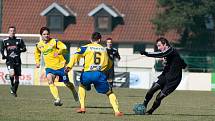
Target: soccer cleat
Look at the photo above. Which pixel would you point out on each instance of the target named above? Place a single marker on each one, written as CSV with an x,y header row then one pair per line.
x,y
81,110
58,102
148,113
12,92
118,114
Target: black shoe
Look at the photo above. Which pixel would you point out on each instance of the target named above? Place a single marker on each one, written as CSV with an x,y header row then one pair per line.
x,y
12,92
58,103
148,113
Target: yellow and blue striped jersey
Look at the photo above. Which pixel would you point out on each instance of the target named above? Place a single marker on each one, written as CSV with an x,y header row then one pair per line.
x,y
48,49
95,57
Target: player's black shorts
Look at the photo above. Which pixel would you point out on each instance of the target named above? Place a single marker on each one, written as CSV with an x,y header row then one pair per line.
x,y
110,74
168,86
16,67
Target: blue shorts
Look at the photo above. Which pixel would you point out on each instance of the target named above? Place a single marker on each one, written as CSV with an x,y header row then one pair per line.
x,y
63,77
97,78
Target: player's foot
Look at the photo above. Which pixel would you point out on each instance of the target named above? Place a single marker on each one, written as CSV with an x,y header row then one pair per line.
x,y
118,114
148,113
12,92
58,102
81,110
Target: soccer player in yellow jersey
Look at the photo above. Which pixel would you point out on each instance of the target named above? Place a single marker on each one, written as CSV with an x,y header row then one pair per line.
x,y
52,51
96,61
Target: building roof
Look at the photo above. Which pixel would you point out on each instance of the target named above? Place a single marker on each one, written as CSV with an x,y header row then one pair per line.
x,y
26,16
112,11
63,9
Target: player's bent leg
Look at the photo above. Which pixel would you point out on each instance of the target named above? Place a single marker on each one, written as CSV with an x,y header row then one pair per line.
x,y
156,103
16,84
11,73
72,88
12,90
82,96
114,102
54,90
155,87
55,93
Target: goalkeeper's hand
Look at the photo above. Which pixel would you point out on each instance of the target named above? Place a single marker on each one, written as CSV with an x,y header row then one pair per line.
x,y
143,52
4,57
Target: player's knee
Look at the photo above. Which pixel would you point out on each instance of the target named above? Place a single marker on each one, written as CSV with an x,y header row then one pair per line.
x,y
154,88
50,78
160,96
109,92
50,81
17,78
11,72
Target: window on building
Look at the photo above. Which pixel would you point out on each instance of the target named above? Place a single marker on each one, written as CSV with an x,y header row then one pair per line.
x,y
55,23
103,22
107,18
138,47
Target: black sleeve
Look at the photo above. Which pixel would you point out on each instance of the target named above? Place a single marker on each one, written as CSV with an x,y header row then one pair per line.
x,y
183,64
2,49
159,54
22,46
117,55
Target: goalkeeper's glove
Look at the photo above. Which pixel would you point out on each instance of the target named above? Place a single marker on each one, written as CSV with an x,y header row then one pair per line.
x,y
4,57
143,52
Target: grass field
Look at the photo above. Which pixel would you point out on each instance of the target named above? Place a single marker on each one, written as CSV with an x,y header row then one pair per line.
x,y
35,103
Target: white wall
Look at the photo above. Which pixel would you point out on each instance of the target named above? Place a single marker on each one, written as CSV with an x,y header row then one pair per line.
x,y
196,81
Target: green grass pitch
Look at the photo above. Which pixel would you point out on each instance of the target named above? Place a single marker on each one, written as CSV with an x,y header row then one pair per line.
x,y
35,103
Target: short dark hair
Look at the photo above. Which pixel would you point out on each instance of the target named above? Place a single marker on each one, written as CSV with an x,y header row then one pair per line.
x,y
11,27
109,39
44,29
96,36
163,41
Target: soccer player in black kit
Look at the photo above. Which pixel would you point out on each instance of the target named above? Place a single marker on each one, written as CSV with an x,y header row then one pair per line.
x,y
13,47
171,76
113,55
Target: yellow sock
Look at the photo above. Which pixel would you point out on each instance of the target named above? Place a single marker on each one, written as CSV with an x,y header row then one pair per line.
x,y
82,95
114,102
54,91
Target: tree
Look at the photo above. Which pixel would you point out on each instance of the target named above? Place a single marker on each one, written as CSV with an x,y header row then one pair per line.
x,y
190,18
194,20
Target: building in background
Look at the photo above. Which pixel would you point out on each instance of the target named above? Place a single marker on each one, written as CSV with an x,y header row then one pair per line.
x,y
72,21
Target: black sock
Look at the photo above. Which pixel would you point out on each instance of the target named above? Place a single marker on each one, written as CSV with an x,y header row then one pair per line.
x,y
155,87
12,81
16,86
157,102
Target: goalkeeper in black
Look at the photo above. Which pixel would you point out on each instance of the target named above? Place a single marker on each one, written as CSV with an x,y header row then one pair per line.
x,y
12,47
113,55
171,76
